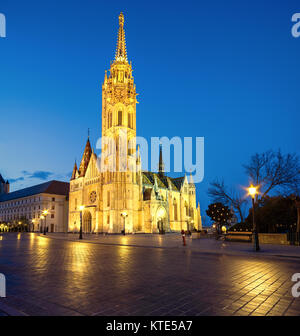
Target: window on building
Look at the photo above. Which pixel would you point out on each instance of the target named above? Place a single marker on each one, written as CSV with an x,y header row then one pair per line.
x,y
110,120
108,198
120,121
175,210
130,120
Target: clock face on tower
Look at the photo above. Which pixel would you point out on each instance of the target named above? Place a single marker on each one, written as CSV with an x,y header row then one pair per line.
x,y
93,196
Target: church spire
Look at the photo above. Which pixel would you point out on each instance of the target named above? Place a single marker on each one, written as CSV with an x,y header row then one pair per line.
x,y
161,166
75,170
121,53
85,158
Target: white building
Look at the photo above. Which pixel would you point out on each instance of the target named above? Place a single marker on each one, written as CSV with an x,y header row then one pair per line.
x,y
25,207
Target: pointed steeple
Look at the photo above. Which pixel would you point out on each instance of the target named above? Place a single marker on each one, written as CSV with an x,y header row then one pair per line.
x,y
191,179
85,158
121,53
199,217
161,166
75,170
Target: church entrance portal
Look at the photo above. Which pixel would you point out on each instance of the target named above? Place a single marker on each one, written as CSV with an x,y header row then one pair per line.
x,y
87,222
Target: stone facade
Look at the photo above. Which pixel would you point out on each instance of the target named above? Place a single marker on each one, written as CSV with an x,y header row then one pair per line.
x,y
116,194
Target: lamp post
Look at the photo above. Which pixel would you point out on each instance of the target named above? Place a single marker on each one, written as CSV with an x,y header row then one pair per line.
x,y
41,218
124,215
45,213
253,192
33,224
81,208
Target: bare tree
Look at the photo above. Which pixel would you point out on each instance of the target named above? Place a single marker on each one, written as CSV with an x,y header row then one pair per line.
x,y
274,171
218,192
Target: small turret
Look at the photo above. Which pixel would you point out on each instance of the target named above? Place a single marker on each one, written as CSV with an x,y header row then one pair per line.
x,y
75,171
199,218
161,166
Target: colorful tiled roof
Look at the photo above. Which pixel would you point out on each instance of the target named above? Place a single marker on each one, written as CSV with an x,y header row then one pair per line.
x,y
51,187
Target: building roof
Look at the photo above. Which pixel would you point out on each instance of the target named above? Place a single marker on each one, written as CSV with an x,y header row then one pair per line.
x,y
1,179
51,187
162,180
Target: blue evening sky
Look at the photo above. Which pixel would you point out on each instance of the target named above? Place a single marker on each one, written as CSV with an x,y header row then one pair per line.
x,y
225,70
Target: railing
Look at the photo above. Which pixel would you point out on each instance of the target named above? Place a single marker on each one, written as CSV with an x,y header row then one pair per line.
x,y
239,236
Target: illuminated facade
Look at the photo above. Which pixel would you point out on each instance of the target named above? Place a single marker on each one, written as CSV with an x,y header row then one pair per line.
x,y
126,198
26,206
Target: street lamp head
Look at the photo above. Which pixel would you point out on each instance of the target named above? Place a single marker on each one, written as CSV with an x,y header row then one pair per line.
x,y
124,214
45,212
81,208
252,191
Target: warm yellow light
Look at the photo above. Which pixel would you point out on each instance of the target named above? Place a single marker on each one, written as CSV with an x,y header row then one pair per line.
x,y
45,212
252,191
124,214
81,208
42,217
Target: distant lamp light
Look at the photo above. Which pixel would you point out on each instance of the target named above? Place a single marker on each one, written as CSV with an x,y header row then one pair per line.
x,y
81,208
124,214
252,191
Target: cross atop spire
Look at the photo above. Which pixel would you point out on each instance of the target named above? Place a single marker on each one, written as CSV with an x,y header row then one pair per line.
x,y
121,53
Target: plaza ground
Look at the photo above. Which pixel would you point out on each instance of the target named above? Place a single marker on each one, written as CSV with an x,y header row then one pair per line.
x,y
144,275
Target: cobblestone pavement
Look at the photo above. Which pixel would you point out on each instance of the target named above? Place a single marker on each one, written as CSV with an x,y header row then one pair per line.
x,y
57,277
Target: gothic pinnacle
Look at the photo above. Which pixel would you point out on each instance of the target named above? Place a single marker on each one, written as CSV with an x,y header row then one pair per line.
x,y
121,53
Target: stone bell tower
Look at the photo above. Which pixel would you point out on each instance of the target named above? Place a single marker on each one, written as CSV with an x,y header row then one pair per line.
x,y
121,183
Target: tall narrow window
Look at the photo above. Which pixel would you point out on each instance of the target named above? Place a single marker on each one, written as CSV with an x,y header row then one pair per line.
x,y
175,210
130,120
110,120
120,122
108,198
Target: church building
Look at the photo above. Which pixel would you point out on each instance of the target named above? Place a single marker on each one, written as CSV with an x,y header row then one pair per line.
x,y
130,200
